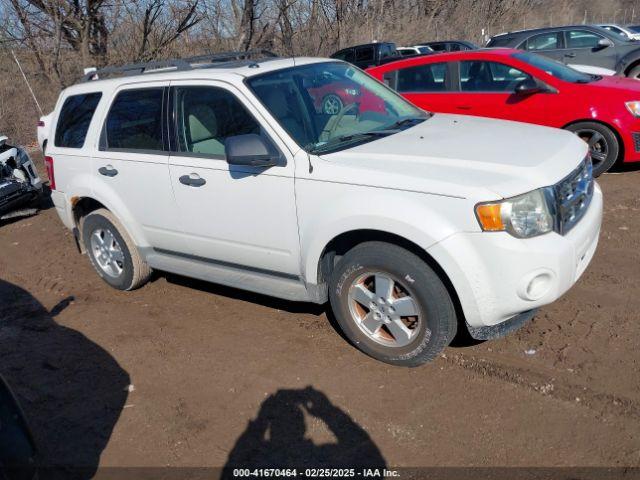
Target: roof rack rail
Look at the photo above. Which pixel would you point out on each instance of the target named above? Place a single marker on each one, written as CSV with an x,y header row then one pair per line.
x,y
177,64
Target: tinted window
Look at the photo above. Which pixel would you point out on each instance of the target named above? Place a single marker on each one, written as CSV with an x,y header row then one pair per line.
x,y
423,78
135,120
557,69
489,77
364,54
438,47
582,39
207,116
406,51
545,41
346,55
74,120
497,42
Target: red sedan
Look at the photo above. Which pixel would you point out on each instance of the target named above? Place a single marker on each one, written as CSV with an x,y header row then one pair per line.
x,y
525,87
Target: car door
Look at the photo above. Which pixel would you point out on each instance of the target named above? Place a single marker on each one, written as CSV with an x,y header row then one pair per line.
x,y
427,85
238,216
130,166
582,48
487,89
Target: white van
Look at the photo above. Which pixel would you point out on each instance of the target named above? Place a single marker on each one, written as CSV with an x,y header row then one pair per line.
x,y
413,225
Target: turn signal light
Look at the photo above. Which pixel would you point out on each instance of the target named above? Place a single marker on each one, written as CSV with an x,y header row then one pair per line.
x,y
490,217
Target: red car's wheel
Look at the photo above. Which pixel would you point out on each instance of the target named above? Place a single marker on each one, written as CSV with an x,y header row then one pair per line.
x,y
603,144
332,104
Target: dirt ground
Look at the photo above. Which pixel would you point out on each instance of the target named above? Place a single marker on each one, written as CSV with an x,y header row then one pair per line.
x,y
184,373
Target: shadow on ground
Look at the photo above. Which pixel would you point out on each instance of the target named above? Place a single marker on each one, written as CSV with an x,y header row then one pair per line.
x,y
279,436
71,390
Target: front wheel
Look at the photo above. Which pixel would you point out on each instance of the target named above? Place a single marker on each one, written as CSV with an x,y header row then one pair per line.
x,y
332,104
391,304
604,146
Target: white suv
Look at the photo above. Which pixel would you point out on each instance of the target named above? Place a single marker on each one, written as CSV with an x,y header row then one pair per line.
x,y
413,225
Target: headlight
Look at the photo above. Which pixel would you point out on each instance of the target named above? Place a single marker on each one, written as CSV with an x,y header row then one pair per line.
x,y
634,108
524,216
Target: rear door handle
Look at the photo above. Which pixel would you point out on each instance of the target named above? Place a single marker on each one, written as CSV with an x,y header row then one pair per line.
x,y
463,107
108,171
570,55
193,180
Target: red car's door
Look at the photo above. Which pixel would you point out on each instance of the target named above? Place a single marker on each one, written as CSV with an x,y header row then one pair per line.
x,y
488,89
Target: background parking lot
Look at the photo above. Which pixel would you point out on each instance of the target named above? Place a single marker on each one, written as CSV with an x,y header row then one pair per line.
x,y
184,373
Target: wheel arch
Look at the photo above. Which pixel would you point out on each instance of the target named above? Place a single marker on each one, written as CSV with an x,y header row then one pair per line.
x,y
345,241
613,128
633,64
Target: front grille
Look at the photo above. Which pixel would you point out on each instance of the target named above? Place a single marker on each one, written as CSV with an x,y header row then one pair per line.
x,y
573,195
636,141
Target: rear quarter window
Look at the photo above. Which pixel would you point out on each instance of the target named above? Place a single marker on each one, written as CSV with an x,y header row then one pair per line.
x,y
75,117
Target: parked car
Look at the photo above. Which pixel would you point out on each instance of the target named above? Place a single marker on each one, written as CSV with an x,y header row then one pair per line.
x,y
413,226
522,86
624,32
20,185
634,28
416,50
577,45
369,54
450,46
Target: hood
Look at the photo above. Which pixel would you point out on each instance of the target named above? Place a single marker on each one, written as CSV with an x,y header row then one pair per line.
x,y
622,85
464,156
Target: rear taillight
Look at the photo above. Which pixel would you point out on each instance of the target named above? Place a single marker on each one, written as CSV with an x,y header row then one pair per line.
x,y
40,123
48,163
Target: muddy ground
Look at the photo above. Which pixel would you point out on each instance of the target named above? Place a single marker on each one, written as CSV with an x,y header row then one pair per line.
x,y
184,373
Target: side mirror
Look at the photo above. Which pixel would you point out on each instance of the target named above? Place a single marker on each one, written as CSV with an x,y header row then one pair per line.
x,y
528,86
604,43
251,150
17,448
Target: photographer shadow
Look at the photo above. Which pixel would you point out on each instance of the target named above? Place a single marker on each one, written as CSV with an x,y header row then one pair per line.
x,y
276,438
72,391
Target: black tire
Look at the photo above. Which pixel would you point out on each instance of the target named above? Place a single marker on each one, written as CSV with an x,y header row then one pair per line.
x,y
604,152
438,322
135,272
634,72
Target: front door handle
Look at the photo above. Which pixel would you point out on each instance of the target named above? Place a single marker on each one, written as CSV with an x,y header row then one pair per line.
x,y
108,171
193,180
570,55
463,107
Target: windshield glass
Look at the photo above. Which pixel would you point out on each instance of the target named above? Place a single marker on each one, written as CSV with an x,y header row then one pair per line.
x,y
557,69
332,105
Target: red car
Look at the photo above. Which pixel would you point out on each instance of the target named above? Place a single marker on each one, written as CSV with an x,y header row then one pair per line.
x,y
526,87
331,96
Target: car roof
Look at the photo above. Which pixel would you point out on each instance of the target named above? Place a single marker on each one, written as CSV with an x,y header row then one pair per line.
x,y
445,57
532,31
223,71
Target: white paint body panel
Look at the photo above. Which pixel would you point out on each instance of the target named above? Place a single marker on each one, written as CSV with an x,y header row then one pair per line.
x,y
421,184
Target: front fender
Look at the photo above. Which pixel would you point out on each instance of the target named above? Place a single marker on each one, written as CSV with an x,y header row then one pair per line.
x,y
422,219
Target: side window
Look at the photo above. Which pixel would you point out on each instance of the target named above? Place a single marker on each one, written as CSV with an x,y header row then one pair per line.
x,y
479,76
206,116
134,121
423,78
439,47
346,55
582,39
364,54
544,41
455,47
75,117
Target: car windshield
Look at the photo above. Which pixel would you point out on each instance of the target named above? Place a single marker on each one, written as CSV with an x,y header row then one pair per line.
x,y
330,106
557,69
634,28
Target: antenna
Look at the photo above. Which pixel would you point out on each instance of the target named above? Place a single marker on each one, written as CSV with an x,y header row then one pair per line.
x,y
27,82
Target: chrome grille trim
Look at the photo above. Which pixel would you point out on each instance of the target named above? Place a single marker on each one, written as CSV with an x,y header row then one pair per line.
x,y
573,195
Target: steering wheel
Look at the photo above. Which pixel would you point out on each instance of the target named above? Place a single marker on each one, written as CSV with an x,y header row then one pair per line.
x,y
332,125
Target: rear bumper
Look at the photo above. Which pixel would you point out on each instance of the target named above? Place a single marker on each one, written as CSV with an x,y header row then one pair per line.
x,y
63,208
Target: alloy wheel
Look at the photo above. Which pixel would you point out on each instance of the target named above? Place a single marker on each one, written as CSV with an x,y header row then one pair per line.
x,y
384,309
598,146
107,252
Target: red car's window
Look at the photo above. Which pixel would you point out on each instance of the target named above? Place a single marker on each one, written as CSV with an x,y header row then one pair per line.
x,y
423,78
482,76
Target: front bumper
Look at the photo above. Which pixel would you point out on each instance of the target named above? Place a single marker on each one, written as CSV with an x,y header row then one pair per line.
x,y
497,276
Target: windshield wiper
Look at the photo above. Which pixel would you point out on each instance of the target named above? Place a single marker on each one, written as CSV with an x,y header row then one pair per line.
x,y
406,121
334,142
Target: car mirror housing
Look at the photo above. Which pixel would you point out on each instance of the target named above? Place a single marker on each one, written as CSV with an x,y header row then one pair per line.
x,y
251,150
529,86
604,43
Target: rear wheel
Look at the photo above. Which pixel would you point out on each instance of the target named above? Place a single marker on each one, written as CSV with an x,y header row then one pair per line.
x,y
391,304
112,252
331,104
603,144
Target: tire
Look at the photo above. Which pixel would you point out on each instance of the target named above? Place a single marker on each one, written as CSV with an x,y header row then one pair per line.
x,y
634,72
605,149
127,270
332,104
424,335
